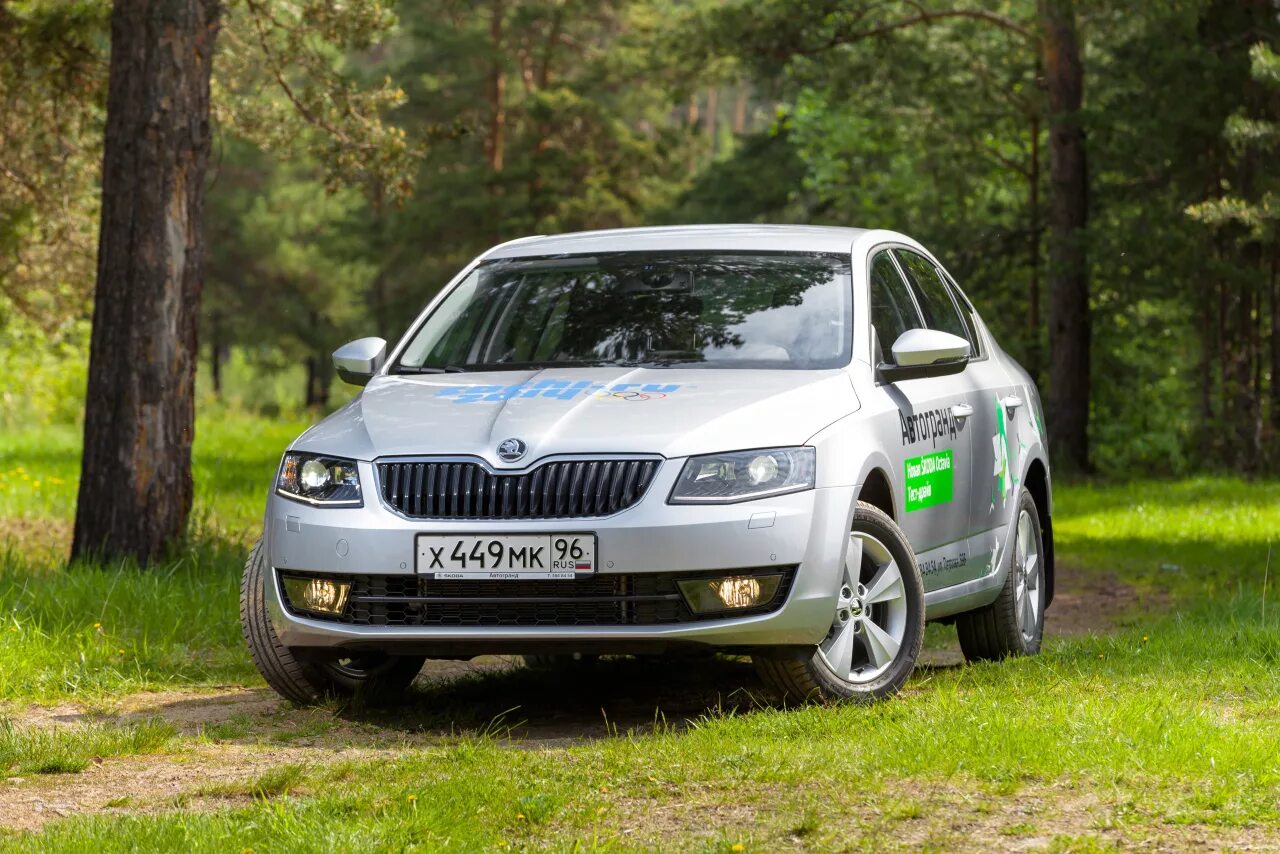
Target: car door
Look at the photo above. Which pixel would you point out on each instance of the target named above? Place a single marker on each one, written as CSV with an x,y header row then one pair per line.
x,y
1000,410
933,465
984,385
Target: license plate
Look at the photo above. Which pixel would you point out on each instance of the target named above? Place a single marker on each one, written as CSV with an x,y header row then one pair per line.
x,y
499,556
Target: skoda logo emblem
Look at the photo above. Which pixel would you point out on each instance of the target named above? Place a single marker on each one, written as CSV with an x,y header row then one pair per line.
x,y
511,450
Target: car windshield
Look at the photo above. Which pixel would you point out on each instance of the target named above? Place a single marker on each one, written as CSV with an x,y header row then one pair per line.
x,y
716,310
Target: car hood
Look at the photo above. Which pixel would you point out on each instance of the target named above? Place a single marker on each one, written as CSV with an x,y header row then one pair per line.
x,y
669,411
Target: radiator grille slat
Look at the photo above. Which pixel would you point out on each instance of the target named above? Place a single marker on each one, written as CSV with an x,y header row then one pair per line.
x,y
562,489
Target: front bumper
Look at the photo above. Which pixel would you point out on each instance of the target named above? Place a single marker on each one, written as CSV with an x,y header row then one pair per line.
x,y
807,530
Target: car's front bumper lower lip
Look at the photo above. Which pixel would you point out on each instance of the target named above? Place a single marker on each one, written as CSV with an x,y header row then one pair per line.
x,y
806,530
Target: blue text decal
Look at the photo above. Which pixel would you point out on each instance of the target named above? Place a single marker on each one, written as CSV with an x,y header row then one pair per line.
x,y
559,390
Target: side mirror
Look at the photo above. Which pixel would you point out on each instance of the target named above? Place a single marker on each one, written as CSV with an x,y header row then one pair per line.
x,y
925,353
359,360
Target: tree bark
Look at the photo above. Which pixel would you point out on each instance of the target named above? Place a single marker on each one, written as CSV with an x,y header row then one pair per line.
x,y
497,86
740,111
135,485
1068,280
215,352
309,389
1275,340
1033,253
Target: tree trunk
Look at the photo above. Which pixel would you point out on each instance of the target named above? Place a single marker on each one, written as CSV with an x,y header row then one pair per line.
x,y
309,394
1245,407
1033,253
1275,340
215,352
323,379
713,110
135,484
496,141
740,111
1068,280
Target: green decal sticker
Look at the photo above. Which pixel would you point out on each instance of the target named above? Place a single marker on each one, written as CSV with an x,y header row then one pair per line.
x,y
929,480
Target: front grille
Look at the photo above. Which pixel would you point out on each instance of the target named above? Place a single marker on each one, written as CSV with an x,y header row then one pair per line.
x,y
555,490
643,599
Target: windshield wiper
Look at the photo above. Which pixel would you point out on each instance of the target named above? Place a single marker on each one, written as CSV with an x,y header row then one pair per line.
x,y
646,363
430,369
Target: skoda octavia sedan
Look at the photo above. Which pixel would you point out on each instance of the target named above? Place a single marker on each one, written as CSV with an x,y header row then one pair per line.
x,y
794,443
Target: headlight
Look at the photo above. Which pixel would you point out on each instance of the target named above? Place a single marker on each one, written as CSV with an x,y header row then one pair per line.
x,y
319,480
744,475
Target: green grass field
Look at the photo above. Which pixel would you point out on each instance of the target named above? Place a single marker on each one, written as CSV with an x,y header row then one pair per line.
x,y
1158,724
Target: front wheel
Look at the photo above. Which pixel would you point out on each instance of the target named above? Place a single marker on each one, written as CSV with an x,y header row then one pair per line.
x,y
876,630
372,676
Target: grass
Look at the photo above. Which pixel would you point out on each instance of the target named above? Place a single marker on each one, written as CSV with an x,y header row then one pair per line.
x,y
1201,537
96,630
65,750
1169,725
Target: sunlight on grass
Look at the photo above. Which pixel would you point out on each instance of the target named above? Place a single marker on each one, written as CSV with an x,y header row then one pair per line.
x,y
68,749
1169,721
93,629
234,458
1167,724
1181,535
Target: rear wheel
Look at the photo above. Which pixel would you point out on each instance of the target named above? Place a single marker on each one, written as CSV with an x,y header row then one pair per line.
x,y
372,676
1014,623
876,630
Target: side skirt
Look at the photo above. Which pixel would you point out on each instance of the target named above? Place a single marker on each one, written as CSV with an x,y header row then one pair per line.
x,y
970,595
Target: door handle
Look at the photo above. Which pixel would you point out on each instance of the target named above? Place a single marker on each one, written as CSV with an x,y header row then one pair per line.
x,y
1011,403
961,411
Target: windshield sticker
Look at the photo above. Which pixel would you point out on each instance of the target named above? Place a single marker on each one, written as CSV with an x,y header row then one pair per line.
x,y
930,480
929,425
559,390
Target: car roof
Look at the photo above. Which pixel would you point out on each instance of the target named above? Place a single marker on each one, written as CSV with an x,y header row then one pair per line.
x,y
764,238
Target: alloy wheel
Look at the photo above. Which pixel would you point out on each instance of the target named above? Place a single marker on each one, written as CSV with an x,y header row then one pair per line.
x,y
1026,563
871,613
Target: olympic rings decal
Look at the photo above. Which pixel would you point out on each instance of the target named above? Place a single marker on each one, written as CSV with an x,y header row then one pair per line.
x,y
632,396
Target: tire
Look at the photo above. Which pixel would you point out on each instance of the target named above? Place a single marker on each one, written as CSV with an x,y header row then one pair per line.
x,y
1014,623
855,662
373,677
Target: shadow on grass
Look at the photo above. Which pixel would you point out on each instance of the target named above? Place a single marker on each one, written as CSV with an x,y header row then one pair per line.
x,y
495,698
499,698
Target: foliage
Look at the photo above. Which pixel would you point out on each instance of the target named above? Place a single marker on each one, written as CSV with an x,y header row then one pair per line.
x,y
52,107
939,127
366,151
283,82
1251,137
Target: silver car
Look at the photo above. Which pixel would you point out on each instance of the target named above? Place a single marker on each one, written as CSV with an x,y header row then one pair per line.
x,y
794,443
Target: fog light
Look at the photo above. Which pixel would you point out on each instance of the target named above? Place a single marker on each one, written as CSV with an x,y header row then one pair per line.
x,y
734,592
322,595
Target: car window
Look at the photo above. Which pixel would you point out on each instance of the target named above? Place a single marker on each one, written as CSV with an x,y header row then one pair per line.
x,y
968,313
893,311
935,302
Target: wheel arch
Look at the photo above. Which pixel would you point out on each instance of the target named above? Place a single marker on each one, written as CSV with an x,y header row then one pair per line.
x,y
877,490
1036,481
